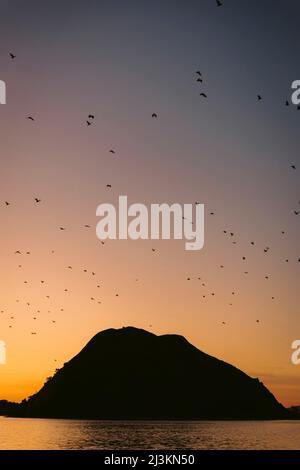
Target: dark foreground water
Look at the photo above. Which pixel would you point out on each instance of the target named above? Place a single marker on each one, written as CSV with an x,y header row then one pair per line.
x,y
17,433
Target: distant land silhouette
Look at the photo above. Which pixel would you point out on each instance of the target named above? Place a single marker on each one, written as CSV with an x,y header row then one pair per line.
x,y
131,374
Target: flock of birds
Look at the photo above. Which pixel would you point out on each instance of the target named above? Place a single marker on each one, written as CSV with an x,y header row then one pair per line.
x,y
89,121
229,233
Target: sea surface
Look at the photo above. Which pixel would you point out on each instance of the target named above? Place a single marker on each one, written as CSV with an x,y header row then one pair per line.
x,y
19,433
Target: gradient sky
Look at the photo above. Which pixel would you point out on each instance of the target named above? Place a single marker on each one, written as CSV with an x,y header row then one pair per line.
x,y
122,60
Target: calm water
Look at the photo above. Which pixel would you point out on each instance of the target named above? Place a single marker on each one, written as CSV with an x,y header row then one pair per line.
x,y
17,433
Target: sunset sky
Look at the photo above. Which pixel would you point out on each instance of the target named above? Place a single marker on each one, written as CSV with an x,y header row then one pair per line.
x,y
122,60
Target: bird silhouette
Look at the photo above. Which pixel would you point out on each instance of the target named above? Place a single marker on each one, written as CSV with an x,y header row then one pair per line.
x,y
91,116
154,115
296,212
219,3
88,123
12,56
108,185
30,118
7,203
203,95
259,97
112,151
293,167
37,200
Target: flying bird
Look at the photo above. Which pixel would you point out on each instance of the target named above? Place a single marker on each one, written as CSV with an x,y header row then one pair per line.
x,y
203,95
154,115
30,118
88,123
91,116
293,167
108,185
37,200
12,56
219,3
112,151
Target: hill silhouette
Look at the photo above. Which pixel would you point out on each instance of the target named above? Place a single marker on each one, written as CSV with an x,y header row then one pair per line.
x,y
133,374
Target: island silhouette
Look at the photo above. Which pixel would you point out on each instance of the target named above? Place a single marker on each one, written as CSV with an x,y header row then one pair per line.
x,y
132,374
